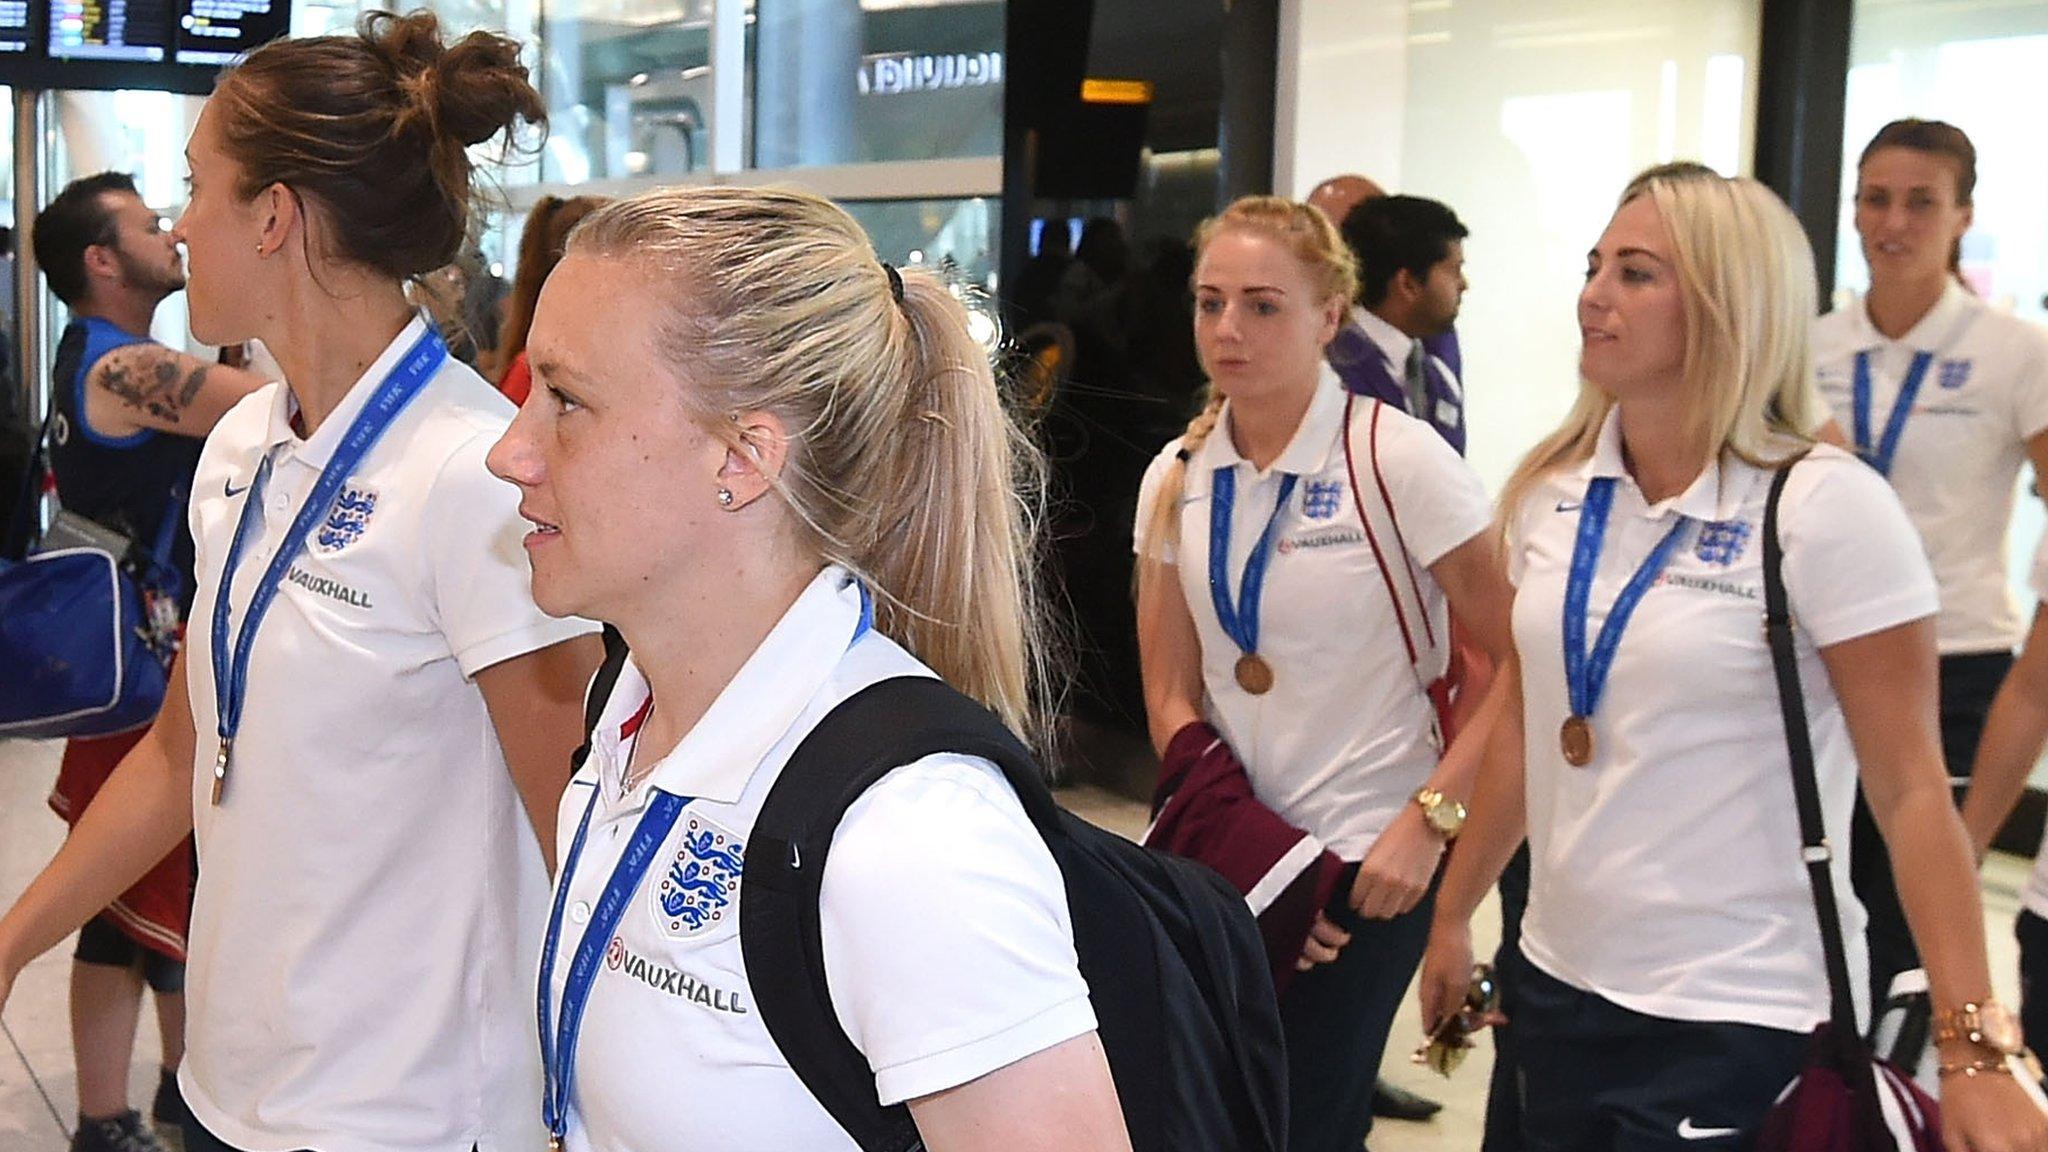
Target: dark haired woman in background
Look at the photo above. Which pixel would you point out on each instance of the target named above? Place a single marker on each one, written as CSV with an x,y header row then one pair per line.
x,y
1948,399
372,691
540,249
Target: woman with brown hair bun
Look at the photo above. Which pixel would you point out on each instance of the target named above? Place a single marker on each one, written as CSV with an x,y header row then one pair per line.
x,y
370,693
540,249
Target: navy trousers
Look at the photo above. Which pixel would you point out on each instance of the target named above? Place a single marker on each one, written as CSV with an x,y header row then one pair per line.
x,y
1336,1018
1597,1077
1968,682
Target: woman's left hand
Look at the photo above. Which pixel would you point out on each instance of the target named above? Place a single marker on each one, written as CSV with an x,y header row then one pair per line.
x,y
1990,1114
1398,868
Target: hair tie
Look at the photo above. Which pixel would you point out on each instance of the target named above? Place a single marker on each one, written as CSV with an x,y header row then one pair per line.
x,y
895,281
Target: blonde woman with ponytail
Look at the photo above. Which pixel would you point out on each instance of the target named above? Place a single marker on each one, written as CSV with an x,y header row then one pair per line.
x,y
1669,970
1270,512
783,470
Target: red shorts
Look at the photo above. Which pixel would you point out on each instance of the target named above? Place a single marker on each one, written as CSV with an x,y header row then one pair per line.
x,y
157,912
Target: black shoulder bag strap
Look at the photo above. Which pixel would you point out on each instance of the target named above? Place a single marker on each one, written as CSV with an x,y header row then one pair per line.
x,y
880,728
601,686
1815,849
22,525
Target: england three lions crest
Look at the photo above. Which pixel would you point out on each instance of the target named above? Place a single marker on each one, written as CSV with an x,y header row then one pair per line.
x,y
346,519
700,890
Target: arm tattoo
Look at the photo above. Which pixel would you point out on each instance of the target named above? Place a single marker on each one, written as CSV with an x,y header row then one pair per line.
x,y
161,387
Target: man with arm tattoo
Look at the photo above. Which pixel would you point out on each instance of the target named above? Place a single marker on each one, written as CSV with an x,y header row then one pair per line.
x,y
130,416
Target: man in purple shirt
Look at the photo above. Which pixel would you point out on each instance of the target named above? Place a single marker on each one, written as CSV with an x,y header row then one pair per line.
x,y
1411,278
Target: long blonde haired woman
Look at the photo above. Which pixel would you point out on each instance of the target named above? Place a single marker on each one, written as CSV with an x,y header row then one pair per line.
x,y
782,469
1670,968
1264,611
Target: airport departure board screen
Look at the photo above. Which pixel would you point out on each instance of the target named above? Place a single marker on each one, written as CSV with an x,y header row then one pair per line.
x,y
138,31
166,45
214,32
14,30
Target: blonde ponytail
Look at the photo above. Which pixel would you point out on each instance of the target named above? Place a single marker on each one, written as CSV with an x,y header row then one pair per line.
x,y
904,462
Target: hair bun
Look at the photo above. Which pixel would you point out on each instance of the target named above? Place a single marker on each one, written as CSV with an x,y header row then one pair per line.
x,y
462,93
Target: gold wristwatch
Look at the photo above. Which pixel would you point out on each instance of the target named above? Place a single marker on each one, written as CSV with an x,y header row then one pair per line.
x,y
1987,1025
1440,812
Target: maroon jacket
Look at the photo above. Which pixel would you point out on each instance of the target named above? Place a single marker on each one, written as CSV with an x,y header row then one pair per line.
x,y
1206,811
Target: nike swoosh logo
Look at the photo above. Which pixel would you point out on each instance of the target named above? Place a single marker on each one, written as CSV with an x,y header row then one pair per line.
x,y
228,486
1686,1131
1568,505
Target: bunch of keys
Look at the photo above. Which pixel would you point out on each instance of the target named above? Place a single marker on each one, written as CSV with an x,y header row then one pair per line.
x,y
1451,1039
159,627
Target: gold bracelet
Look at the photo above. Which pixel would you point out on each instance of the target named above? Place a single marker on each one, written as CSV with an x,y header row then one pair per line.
x,y
1978,1068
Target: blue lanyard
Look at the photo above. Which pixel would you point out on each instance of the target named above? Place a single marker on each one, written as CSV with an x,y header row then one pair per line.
x,y
1586,674
1241,620
558,1053
231,668
1902,407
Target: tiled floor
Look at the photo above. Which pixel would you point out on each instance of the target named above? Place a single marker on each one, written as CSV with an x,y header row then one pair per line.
x,y
38,1090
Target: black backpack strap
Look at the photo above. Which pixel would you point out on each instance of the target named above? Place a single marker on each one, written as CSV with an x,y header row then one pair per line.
x,y
22,524
601,686
883,727
1815,849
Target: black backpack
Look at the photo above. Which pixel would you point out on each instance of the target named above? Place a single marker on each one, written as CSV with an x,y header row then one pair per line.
x,y
1175,966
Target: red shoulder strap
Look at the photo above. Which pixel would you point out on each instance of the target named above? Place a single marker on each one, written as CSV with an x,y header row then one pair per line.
x,y
1372,538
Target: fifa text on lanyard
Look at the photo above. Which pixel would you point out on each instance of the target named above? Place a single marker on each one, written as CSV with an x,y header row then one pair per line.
x,y
231,652
558,1051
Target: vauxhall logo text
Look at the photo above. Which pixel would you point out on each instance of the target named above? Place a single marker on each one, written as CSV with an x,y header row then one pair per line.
x,y
676,983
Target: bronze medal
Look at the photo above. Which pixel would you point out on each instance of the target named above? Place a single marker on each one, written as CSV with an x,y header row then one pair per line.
x,y
1254,675
1576,738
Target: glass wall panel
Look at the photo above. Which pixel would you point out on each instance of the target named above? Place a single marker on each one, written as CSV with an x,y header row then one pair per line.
x,y
959,235
854,81
628,86
1527,118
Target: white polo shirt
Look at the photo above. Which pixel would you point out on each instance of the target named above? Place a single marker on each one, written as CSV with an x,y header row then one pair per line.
x,y
1667,875
948,947
1959,458
372,896
1344,738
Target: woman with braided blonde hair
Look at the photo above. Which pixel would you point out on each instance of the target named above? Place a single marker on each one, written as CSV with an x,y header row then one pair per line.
x,y
1296,550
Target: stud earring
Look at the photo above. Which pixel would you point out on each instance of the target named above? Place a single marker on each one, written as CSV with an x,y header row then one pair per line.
x,y
725,497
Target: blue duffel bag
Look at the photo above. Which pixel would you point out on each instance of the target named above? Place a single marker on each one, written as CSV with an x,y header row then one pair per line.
x,y
87,630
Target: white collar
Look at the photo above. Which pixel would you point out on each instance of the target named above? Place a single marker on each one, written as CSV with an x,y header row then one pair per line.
x,y
1933,332
1706,498
1307,452
318,448
716,758
1394,343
